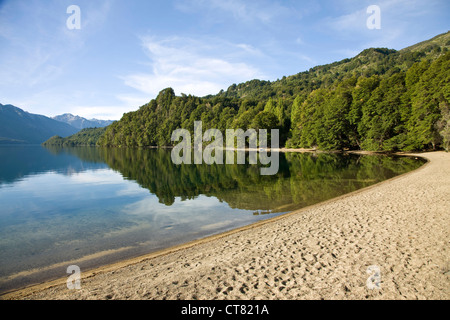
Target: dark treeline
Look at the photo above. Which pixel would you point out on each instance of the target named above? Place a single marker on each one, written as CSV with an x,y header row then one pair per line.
x,y
85,137
380,100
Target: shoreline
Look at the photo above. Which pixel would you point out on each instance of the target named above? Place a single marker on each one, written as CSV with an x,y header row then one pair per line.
x,y
57,288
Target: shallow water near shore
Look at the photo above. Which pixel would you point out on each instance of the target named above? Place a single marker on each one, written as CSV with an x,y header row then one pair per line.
x,y
95,206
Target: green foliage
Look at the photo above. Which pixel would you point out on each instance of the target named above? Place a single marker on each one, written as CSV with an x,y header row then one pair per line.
x,y
443,126
382,100
85,137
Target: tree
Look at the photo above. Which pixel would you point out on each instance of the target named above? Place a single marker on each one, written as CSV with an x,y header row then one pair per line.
x,y
427,94
379,100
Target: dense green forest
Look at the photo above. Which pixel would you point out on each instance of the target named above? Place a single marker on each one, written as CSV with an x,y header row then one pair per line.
x,y
380,100
85,137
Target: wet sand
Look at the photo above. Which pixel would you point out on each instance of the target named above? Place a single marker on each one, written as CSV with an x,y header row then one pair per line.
x,y
326,251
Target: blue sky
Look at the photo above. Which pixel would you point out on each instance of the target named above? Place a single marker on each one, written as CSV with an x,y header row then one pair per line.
x,y
127,51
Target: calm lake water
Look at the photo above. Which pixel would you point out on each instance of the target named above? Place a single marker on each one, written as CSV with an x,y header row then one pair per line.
x,y
94,206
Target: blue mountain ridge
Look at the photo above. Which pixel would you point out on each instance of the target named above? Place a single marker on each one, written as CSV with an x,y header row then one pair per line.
x,y
20,127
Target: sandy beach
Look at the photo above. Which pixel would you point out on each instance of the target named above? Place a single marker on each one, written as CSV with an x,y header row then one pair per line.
x,y
327,251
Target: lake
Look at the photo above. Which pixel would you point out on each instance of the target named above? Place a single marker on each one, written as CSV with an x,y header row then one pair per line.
x,y
95,206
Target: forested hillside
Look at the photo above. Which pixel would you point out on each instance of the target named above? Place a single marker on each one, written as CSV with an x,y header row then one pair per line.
x,y
85,137
380,100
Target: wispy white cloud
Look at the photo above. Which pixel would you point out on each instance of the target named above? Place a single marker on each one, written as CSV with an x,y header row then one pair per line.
x,y
193,66
41,47
98,71
248,11
397,17
42,55
97,177
104,112
353,21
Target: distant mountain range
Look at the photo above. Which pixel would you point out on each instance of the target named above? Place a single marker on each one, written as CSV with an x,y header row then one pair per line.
x,y
20,127
82,123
